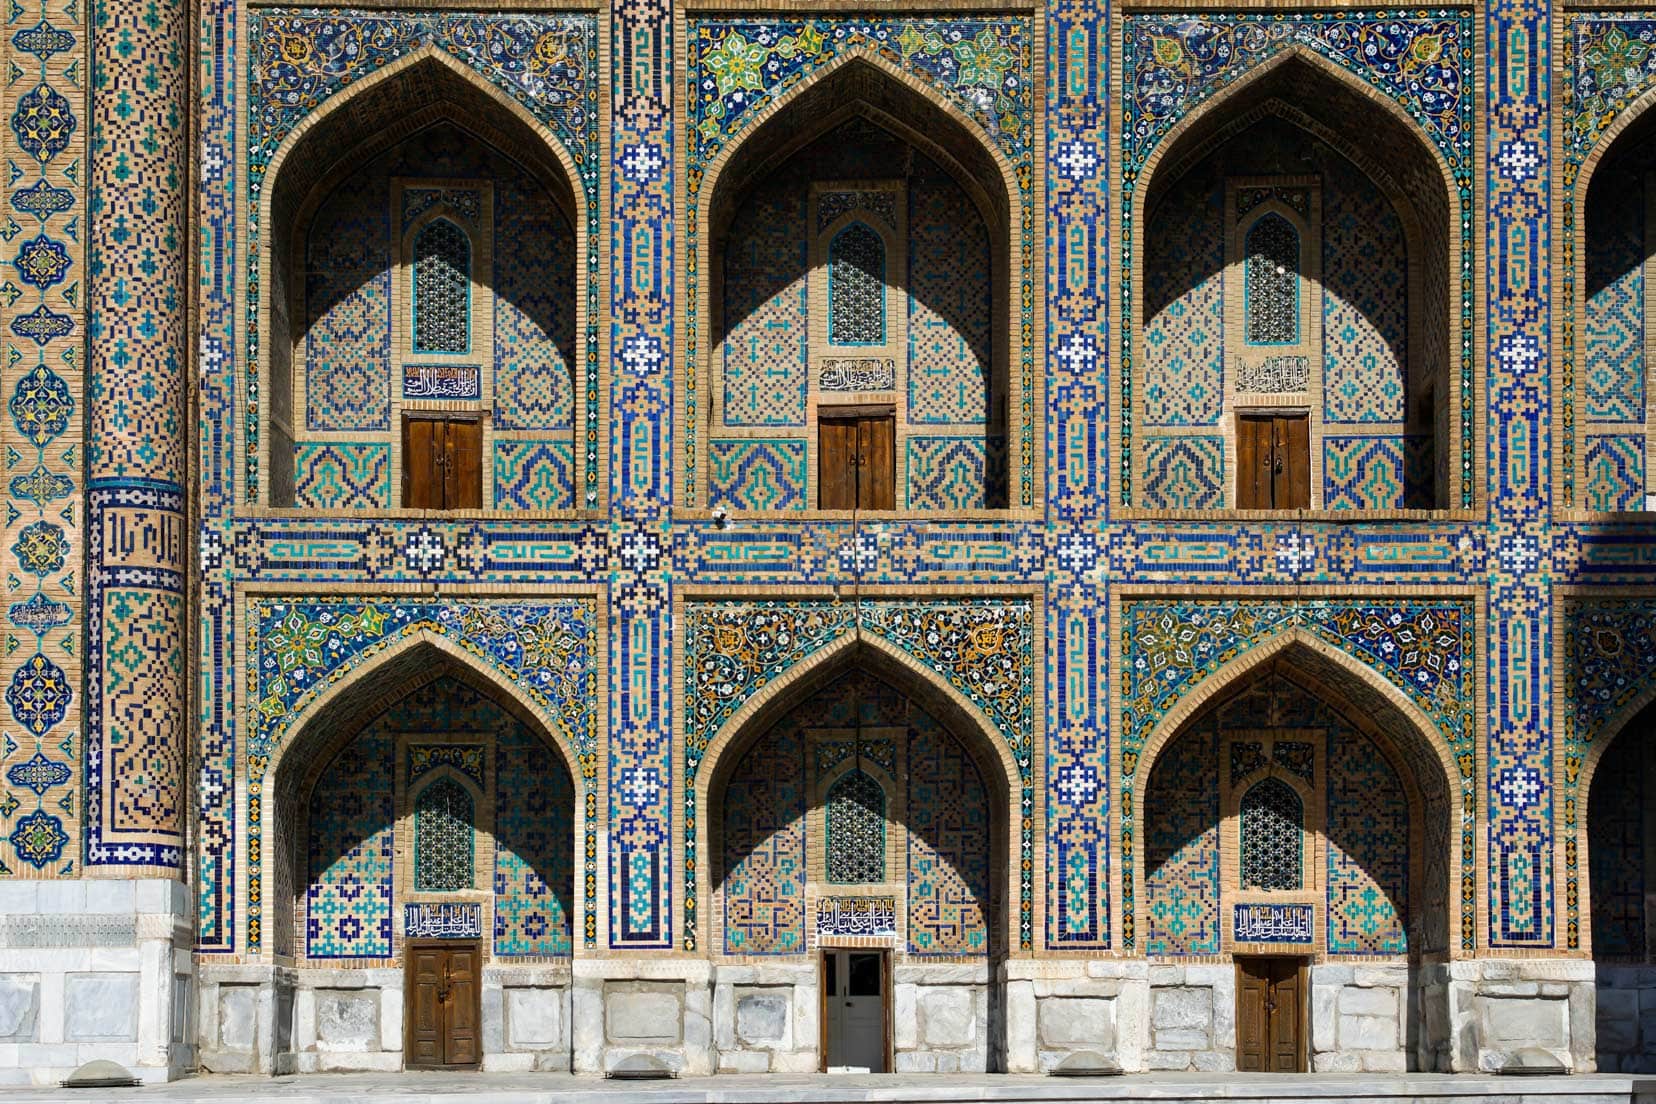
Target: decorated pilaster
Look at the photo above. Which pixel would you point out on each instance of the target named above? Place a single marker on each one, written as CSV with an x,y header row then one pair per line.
x,y
136,688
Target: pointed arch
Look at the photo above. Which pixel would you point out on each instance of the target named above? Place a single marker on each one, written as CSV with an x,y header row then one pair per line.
x,y
1633,125
859,84
1327,100
1614,728
333,718
360,121
979,736
1435,782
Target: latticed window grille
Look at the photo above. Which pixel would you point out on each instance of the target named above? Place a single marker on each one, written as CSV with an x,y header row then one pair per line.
x,y
1273,828
856,287
1272,281
443,842
856,829
442,289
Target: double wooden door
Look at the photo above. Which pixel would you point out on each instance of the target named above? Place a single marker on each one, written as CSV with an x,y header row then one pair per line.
x,y
1270,1015
442,463
443,1005
857,461
1273,462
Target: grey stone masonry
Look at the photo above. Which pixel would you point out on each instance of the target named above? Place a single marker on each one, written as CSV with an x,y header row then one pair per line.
x,y
95,969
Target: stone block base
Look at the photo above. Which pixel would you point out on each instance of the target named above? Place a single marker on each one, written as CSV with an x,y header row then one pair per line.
x,y
96,968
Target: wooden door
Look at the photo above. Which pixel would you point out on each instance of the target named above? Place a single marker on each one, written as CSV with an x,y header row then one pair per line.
x,y
1273,461
1270,1015
857,461
443,1005
442,463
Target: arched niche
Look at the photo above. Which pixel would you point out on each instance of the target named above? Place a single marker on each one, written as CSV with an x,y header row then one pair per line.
x,y
1352,698
858,142
1366,400
314,763
344,197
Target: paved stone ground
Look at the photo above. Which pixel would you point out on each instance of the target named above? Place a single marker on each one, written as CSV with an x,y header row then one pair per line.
x,y
544,1088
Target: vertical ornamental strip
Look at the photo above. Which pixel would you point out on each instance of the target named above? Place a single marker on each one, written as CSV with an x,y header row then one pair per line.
x,y
43,290
1518,170
136,438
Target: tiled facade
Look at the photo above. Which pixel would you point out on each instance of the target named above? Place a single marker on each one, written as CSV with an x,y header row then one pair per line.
x,y
211,224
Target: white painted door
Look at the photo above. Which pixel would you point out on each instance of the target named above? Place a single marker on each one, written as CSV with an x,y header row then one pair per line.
x,y
855,998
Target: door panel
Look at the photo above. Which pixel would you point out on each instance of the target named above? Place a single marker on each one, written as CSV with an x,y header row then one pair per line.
x,y
854,1011
836,447
1253,460
1273,462
1293,477
463,484
444,1001
422,464
878,438
1270,1015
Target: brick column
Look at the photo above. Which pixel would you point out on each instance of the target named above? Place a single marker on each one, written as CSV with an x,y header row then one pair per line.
x,y
137,438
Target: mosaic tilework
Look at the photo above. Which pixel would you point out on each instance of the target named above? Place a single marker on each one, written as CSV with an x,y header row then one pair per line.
x,y
534,873
1173,63
950,307
535,297
949,873
1613,322
43,97
1184,473
545,62
1365,300
1614,472
348,309
342,476
1423,648
1181,848
297,649
951,473
763,353
737,67
1517,194
757,474
764,847
534,475
1616,851
1608,659
352,820
137,266
1184,335
1368,848
1364,473
983,649
1607,64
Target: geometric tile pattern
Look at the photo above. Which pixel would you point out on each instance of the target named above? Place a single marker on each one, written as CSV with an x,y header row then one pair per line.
x,y
42,381
1181,847
1608,661
764,860
1184,473
534,874
534,475
1616,851
1368,847
1614,472
949,307
1424,648
348,310
298,648
535,297
738,66
947,473
1612,324
1184,366
1172,64
949,875
763,353
1363,473
752,474
331,476
983,649
1365,300
352,823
